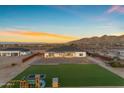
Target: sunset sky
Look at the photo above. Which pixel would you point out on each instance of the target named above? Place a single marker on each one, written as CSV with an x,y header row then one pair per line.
x,y
57,24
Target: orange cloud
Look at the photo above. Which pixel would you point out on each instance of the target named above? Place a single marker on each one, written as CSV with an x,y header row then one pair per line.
x,y
35,34
30,36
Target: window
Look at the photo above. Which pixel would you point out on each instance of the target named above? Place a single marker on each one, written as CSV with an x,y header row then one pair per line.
x,y
80,54
69,54
51,54
14,54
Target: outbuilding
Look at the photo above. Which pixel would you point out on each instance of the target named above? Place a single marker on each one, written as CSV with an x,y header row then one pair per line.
x,y
14,52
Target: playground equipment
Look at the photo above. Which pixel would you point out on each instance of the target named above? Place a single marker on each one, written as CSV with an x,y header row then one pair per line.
x,y
55,82
17,83
32,81
37,81
24,84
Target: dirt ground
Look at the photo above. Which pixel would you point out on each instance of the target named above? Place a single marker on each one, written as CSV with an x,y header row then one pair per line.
x,y
8,72
7,61
62,61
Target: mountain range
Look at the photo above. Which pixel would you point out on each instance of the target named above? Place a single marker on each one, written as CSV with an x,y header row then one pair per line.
x,y
100,42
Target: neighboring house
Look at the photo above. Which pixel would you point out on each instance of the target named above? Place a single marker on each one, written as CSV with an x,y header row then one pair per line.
x,y
14,52
119,53
65,51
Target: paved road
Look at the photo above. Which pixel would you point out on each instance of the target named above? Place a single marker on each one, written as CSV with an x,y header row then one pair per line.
x,y
119,72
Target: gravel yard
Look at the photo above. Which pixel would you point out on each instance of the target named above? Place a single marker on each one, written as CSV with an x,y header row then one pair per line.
x,y
62,61
8,72
7,61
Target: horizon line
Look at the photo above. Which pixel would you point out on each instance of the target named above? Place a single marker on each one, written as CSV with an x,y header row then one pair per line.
x,y
57,42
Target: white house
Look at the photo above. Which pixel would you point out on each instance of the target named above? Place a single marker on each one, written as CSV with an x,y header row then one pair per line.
x,y
65,54
65,51
14,52
119,53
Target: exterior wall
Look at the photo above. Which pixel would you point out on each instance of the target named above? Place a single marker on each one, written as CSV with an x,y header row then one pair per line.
x,y
122,58
121,55
57,54
48,55
9,53
111,54
64,54
68,54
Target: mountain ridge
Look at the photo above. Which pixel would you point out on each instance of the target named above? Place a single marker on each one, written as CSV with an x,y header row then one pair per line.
x,y
102,39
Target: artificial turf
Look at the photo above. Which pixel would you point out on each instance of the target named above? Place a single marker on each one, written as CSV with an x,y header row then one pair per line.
x,y
75,75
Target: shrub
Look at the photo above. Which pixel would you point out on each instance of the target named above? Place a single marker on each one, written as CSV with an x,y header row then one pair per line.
x,y
116,64
13,64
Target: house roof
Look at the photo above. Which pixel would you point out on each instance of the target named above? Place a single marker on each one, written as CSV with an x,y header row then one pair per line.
x,y
15,49
65,49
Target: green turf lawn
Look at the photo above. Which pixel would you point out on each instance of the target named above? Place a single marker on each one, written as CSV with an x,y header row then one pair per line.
x,y
76,75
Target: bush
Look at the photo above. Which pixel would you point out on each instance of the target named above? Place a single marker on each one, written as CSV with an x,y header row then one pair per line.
x,y
116,64
13,64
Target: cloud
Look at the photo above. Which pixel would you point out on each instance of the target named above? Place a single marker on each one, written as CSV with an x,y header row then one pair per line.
x,y
115,8
118,34
105,15
31,36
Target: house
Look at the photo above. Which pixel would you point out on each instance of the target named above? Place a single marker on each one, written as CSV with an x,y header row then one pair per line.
x,y
121,53
118,53
14,52
64,51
